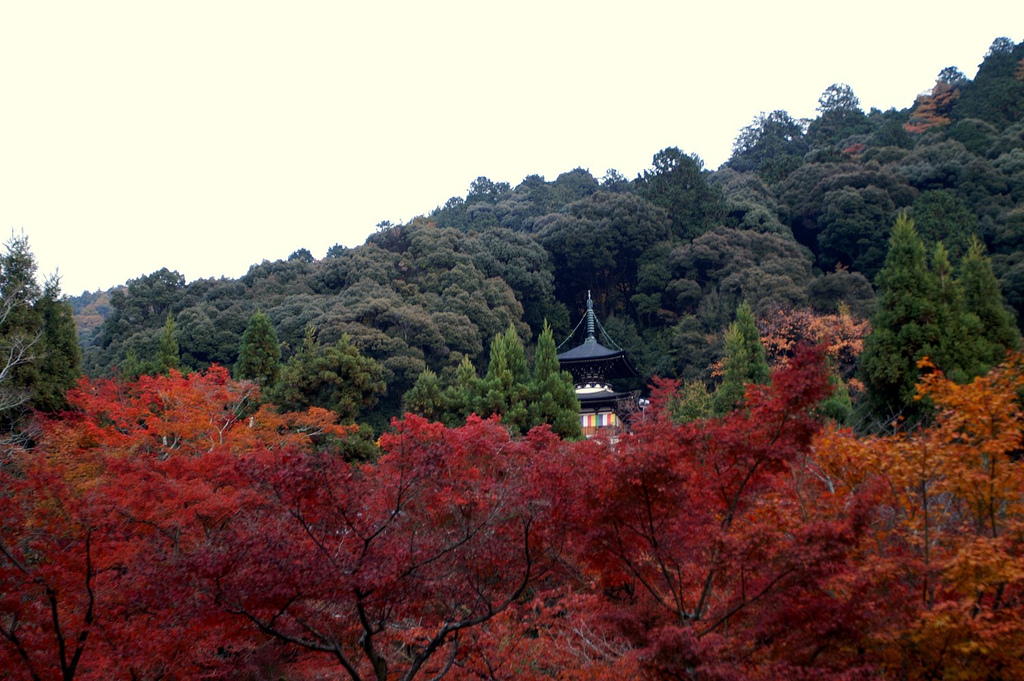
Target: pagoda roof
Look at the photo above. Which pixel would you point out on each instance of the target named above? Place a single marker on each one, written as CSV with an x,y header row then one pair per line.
x,y
606,397
589,350
590,361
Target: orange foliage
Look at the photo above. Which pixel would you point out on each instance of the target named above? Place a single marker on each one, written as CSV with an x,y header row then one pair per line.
x,y
949,545
841,333
195,414
932,109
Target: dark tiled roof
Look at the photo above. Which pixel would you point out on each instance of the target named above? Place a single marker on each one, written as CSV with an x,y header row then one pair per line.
x,y
589,350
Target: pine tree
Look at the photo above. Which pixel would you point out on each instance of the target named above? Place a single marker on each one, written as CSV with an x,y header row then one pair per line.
x,y
958,332
744,361
959,323
503,389
462,395
905,326
60,361
168,355
259,357
552,395
838,406
20,326
335,377
693,402
426,397
131,367
983,298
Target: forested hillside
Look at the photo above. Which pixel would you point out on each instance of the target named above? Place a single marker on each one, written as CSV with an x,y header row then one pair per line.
x,y
826,482
798,220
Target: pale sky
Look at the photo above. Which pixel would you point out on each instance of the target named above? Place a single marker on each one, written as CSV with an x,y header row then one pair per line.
x,y
208,136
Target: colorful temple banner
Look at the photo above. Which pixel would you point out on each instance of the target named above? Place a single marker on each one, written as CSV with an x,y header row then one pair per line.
x,y
602,420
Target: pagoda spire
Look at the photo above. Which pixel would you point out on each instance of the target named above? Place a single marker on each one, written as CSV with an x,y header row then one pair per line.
x,y
591,338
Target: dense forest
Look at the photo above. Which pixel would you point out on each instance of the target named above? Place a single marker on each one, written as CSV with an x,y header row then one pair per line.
x,y
369,465
797,220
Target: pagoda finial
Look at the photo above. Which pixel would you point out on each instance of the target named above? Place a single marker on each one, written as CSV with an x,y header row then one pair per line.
x,y
590,319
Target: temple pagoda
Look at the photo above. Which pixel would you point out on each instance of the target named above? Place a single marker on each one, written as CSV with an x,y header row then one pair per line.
x,y
603,411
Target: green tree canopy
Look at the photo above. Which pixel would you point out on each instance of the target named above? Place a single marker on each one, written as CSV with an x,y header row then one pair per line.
x,y
596,244
168,354
39,354
996,94
773,146
504,387
940,215
551,393
426,398
259,358
60,360
744,361
334,377
983,298
840,117
904,327
678,183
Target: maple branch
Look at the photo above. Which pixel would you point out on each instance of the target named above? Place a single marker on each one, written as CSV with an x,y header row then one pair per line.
x,y
89,611
321,547
451,659
14,561
735,501
746,601
470,534
17,352
403,487
283,610
174,536
51,597
379,664
272,630
705,594
490,611
730,515
674,586
12,636
623,555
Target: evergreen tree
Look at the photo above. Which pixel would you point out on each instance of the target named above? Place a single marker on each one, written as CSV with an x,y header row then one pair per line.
x,y
259,357
677,183
744,361
552,395
335,377
60,361
838,406
40,358
460,398
426,397
20,327
693,402
983,298
508,389
131,367
168,355
905,326
950,349
503,389
960,324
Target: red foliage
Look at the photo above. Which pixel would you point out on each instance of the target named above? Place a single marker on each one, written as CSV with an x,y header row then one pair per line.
x,y
388,569
708,533
172,529
101,518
